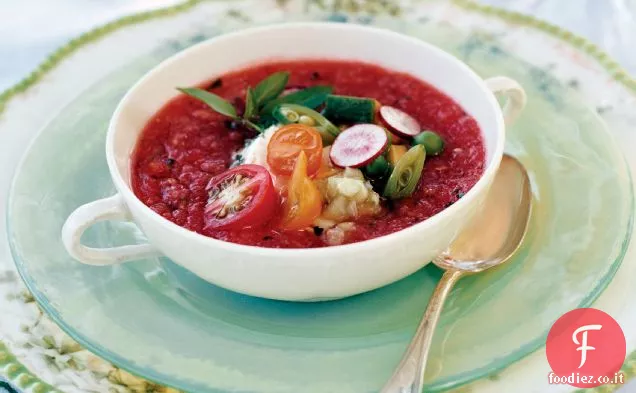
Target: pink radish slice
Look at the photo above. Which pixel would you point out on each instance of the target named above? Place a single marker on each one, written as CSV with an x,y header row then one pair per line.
x,y
291,89
400,122
358,145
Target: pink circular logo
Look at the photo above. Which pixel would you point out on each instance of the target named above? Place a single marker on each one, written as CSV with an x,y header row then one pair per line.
x,y
585,348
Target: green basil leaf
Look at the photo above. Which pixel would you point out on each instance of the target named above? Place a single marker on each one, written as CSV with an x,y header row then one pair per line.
x,y
250,104
270,88
215,102
311,97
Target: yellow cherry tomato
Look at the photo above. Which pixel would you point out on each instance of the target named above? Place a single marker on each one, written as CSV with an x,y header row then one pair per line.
x,y
327,168
395,153
304,202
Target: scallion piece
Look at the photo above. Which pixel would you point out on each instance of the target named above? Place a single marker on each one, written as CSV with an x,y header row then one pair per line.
x,y
406,174
292,113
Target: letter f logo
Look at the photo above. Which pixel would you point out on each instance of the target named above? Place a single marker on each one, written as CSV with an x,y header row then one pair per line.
x,y
583,344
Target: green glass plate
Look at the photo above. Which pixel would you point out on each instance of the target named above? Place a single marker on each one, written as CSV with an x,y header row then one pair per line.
x,y
163,323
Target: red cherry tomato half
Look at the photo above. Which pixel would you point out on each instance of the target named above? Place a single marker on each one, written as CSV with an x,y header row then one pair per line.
x,y
242,197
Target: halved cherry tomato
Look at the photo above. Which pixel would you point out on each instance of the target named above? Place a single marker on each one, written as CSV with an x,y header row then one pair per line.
x,y
286,144
304,202
242,197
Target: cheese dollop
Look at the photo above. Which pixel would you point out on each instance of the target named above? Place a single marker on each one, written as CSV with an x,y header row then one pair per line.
x,y
255,152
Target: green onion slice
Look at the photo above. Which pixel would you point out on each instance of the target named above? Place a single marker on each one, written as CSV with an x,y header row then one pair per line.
x,y
292,113
406,174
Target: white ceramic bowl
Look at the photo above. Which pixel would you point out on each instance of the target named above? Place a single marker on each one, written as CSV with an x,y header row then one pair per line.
x,y
292,274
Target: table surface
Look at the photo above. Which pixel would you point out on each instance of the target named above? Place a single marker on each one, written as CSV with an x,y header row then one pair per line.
x,y
32,29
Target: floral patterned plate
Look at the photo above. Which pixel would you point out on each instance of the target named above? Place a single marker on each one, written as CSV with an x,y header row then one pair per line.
x,y
158,321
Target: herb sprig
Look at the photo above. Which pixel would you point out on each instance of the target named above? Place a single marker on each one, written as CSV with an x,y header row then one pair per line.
x,y
261,100
270,87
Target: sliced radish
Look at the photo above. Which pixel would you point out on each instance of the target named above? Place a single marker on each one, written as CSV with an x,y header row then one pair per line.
x,y
291,89
359,145
400,122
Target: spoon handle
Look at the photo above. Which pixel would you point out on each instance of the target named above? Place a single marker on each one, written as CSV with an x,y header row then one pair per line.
x,y
409,375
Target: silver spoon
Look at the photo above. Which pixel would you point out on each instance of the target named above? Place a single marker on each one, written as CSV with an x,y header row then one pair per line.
x,y
491,238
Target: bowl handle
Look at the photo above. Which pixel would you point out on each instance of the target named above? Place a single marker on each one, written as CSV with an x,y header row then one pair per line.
x,y
112,208
513,92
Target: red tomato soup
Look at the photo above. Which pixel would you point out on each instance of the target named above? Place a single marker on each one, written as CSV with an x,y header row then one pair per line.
x,y
186,146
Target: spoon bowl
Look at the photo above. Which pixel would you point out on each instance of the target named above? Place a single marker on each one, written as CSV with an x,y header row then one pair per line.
x,y
497,231
491,238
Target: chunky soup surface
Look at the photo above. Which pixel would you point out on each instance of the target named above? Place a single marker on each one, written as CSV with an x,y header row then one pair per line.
x,y
185,144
